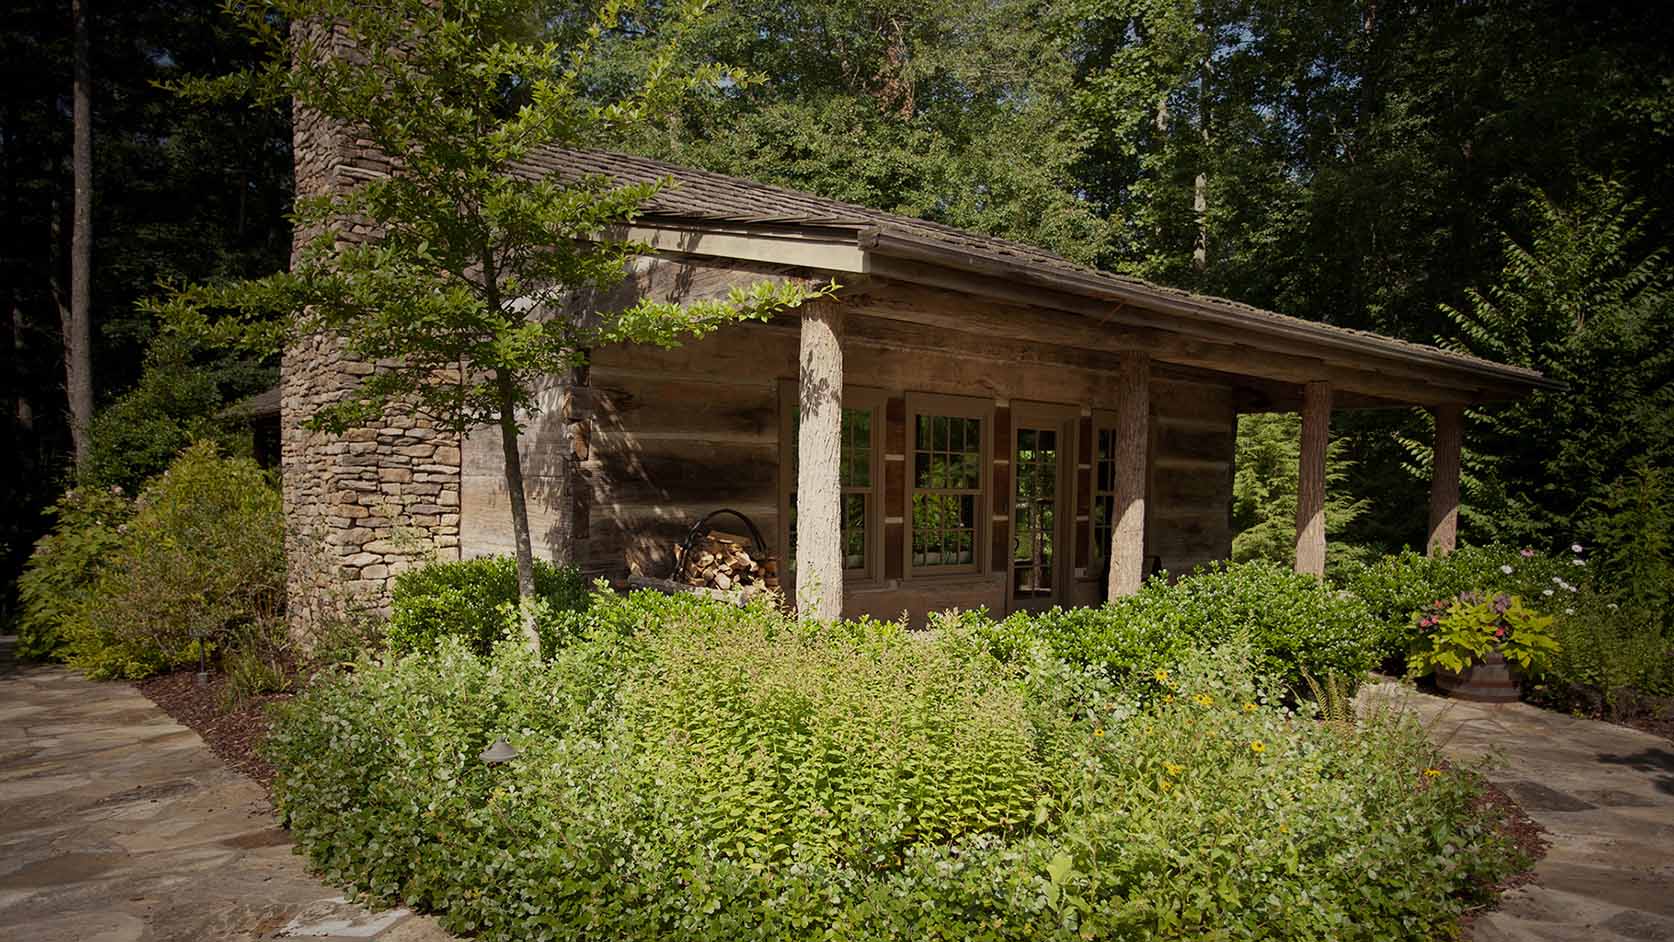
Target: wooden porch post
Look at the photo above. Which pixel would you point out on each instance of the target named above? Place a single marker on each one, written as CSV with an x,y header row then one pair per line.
x,y
1310,482
1133,439
1444,480
819,530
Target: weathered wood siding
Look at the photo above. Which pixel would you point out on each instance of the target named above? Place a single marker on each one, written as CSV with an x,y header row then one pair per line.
x,y
679,433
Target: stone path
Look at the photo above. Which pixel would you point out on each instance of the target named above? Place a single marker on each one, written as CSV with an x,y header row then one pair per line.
x,y
1604,793
117,824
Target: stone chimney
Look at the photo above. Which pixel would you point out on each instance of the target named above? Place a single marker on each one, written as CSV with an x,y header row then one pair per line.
x,y
361,507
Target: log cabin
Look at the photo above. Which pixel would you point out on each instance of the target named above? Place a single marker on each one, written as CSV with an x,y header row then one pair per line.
x,y
966,422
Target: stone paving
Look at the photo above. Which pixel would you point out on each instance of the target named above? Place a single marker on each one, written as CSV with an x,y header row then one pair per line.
x,y
117,824
1605,794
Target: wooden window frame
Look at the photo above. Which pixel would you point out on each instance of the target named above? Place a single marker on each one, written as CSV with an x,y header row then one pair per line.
x,y
1098,554
964,407
1067,420
856,398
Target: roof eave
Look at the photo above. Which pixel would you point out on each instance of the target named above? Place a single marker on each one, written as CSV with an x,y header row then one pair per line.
x,y
907,247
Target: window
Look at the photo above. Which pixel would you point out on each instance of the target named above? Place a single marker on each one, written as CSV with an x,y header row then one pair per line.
x,y
859,474
947,477
1104,490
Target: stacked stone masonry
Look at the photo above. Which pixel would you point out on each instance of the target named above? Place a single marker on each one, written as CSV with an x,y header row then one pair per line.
x,y
366,505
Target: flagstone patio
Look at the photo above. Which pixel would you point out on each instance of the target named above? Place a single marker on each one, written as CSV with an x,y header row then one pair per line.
x,y
1605,794
117,824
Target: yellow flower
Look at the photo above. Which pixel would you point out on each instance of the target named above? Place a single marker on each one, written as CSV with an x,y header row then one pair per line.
x,y
1204,699
1173,769
1432,772
1161,676
1249,708
1099,731
1169,698
1166,784
1256,746
1283,829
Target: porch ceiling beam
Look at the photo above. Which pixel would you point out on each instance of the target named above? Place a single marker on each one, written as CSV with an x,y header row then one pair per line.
x,y
920,306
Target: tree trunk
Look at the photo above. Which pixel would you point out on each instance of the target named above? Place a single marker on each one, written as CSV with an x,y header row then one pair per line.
x,y
1444,481
78,353
819,524
519,506
1133,440
1310,480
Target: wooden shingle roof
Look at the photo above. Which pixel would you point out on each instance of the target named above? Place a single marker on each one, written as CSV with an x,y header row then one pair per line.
x,y
703,197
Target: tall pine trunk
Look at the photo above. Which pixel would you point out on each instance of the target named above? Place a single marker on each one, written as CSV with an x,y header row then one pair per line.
x,y
519,506
78,332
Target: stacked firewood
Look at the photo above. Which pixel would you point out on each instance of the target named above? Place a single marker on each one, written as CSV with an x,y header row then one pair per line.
x,y
726,561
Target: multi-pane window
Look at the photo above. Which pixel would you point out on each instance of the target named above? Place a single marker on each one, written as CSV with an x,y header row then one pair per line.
x,y
947,491
855,460
1104,491
1035,513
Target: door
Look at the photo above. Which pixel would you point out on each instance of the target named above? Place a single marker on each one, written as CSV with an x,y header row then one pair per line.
x,y
1041,460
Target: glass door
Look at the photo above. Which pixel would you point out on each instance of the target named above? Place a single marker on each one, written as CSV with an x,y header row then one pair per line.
x,y
1040,450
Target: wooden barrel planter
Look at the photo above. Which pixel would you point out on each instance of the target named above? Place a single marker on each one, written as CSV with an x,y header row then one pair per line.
x,y
1489,681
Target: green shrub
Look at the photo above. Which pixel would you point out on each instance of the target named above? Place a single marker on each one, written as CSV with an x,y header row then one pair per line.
x,y
697,771
1291,622
1396,588
203,554
65,564
178,400
462,599
1611,656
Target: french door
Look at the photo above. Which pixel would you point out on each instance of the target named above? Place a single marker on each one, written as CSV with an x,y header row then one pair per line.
x,y
1042,508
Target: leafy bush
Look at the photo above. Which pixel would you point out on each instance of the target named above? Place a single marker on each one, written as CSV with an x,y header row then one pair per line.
x,y
203,554
1396,588
1291,622
462,599
177,401
1454,634
1611,657
65,564
697,771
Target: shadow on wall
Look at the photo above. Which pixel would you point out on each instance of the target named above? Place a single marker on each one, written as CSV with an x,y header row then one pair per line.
x,y
670,434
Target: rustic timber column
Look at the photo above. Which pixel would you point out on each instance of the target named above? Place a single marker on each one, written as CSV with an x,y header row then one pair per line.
x,y
1133,438
819,529
1444,480
1310,482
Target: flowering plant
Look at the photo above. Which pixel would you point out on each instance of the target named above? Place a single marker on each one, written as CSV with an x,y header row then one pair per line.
x,y
1456,633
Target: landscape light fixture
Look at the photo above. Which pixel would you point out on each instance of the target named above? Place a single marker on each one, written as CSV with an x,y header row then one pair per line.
x,y
501,751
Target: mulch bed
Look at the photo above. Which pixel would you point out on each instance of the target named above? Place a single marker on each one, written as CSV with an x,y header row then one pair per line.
x,y
235,736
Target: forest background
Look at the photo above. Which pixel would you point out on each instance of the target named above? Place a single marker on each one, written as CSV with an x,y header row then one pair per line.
x,y
1489,175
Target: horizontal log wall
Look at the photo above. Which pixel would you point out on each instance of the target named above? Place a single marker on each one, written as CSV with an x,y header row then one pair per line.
x,y
679,433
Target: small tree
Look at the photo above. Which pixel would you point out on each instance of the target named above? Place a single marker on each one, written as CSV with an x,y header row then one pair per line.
x,y
466,286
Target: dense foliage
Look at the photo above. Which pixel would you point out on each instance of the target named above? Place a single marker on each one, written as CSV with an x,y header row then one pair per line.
x,y
201,556
1613,651
467,598
1456,634
87,529
179,399
698,771
1292,625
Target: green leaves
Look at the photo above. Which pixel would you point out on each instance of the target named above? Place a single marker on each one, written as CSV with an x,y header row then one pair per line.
x,y
460,267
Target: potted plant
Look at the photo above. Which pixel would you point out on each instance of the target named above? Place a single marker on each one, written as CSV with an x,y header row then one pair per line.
x,y
1480,648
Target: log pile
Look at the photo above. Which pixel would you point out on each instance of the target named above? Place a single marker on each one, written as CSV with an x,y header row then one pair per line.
x,y
726,561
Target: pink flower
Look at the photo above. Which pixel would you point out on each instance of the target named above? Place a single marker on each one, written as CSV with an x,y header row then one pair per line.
x,y
1528,554
1499,632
